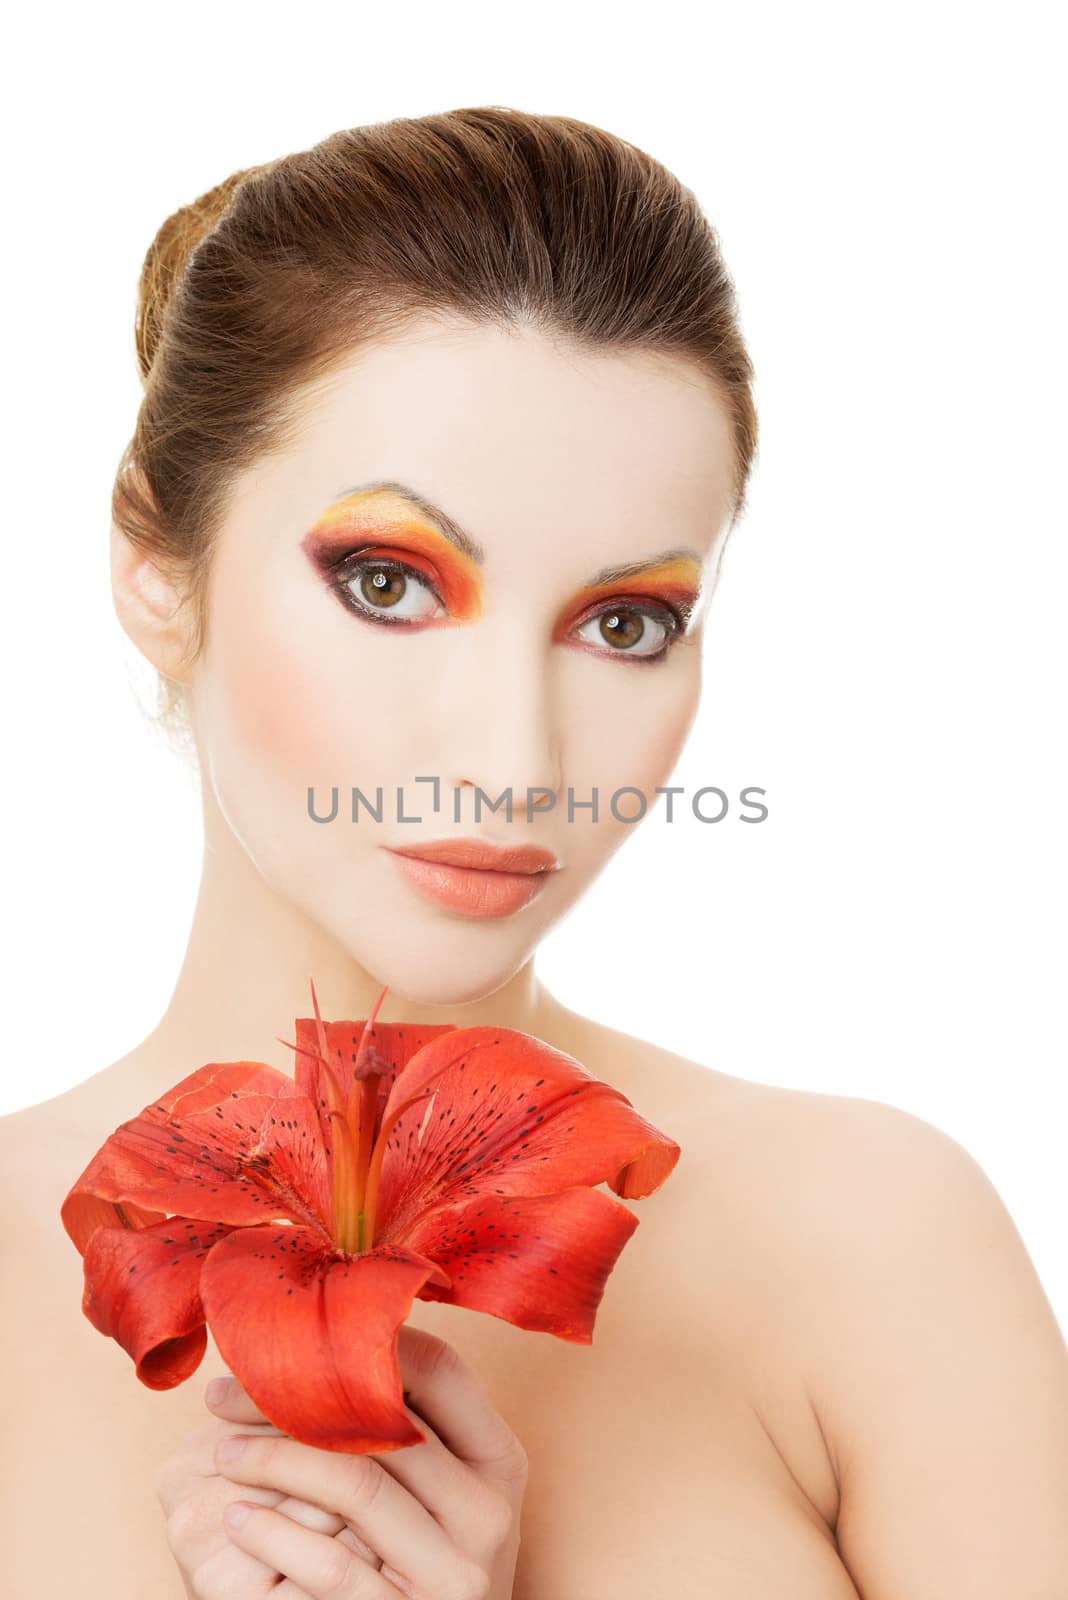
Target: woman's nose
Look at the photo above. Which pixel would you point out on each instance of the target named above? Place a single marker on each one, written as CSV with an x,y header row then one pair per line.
x,y
499,728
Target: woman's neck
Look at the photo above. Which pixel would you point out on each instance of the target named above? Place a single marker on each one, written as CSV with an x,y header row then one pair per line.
x,y
245,978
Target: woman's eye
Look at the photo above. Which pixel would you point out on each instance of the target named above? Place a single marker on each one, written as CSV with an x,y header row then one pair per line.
x,y
632,631
389,591
392,592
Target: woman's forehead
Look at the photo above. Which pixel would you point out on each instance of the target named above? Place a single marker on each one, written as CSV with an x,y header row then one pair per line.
x,y
502,426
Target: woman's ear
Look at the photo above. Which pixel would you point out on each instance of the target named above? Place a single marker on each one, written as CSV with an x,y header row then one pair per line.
x,y
150,608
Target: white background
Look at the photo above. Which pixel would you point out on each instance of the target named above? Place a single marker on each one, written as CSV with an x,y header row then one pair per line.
x,y
885,652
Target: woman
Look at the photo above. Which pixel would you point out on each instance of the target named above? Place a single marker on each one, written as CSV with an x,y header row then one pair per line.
x,y
446,422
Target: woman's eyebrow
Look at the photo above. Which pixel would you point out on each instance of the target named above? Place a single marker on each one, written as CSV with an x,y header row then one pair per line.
x,y
471,548
442,521
633,569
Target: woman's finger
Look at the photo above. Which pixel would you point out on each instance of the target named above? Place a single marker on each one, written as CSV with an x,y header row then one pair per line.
x,y
230,1401
441,1388
446,1391
428,1471
286,1589
229,1571
395,1524
227,1398
451,1491
320,1521
436,1474
186,1469
324,1568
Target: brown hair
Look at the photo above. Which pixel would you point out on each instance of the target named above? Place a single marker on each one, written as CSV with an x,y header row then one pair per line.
x,y
273,278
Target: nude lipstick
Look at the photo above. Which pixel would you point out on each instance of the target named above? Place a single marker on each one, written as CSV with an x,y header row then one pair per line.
x,y
475,878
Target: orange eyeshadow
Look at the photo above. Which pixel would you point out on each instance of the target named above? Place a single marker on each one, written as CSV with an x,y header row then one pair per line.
x,y
353,524
677,582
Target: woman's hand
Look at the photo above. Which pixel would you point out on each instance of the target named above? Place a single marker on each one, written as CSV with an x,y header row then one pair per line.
x,y
434,1521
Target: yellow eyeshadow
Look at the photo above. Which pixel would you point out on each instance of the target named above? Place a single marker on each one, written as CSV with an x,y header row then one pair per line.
x,y
361,516
677,582
364,516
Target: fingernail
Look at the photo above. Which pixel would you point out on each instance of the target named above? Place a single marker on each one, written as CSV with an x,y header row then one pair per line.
x,y
236,1514
229,1449
215,1393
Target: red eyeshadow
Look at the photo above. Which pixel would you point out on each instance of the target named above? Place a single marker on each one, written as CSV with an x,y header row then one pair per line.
x,y
346,528
677,583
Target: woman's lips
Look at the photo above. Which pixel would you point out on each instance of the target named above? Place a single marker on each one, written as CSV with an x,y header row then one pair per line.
x,y
475,891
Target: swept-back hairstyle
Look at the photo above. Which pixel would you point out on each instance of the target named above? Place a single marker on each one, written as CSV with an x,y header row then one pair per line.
x,y
275,277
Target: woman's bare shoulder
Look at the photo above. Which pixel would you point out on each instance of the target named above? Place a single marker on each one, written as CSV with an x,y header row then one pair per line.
x,y
805,1182
46,1145
780,1126
872,1269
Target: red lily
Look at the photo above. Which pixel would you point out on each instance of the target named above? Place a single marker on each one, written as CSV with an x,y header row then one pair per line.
x,y
299,1218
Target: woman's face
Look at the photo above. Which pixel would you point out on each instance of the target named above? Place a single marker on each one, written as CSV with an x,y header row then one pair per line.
x,y
356,638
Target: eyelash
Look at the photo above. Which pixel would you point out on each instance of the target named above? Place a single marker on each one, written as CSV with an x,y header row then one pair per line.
x,y
350,566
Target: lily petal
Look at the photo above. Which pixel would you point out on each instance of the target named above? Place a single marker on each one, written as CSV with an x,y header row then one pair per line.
x,y
537,1261
234,1142
141,1288
312,1333
84,1212
515,1116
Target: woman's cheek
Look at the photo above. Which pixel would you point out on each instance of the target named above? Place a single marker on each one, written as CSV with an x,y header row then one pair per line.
x,y
273,674
288,713
640,738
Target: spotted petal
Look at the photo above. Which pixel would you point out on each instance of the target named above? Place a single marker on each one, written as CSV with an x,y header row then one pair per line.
x,y
142,1289
234,1142
512,1116
312,1333
537,1261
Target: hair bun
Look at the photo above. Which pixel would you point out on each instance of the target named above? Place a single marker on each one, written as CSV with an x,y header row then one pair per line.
x,y
168,256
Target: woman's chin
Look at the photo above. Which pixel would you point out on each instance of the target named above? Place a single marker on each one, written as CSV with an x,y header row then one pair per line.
x,y
441,960
425,952
428,982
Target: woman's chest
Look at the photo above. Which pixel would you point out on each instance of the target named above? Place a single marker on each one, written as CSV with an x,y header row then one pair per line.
x,y
650,1474
646,1478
